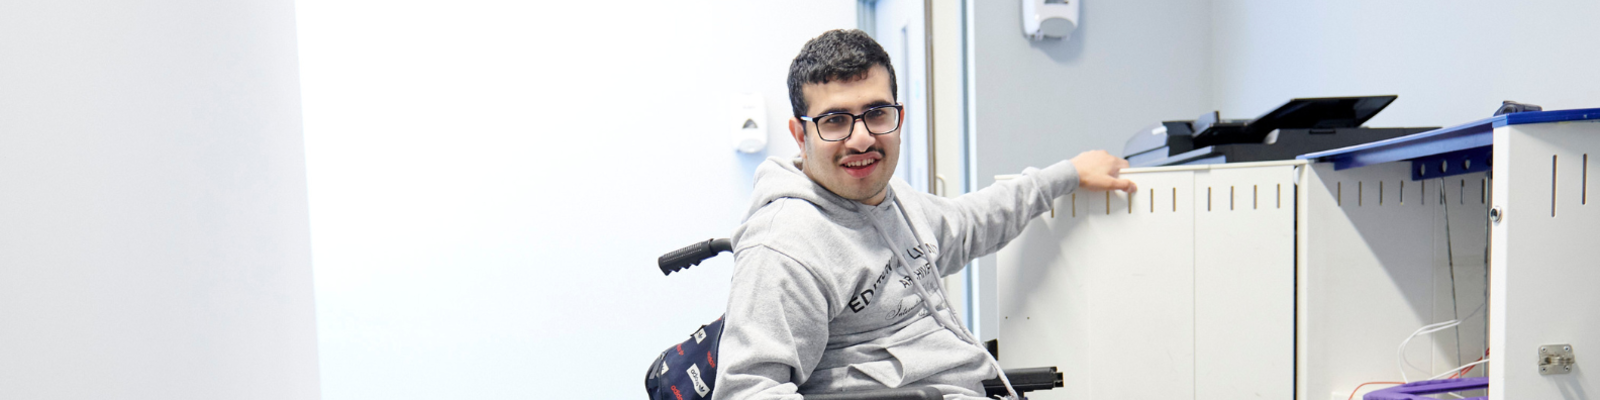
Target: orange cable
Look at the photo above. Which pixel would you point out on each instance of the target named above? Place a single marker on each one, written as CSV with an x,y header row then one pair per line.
x,y
1463,372
1358,387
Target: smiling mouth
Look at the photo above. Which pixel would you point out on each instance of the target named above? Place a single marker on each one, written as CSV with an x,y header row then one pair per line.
x,y
861,165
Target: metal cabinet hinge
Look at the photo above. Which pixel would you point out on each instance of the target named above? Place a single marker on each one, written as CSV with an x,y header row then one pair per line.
x,y
1556,359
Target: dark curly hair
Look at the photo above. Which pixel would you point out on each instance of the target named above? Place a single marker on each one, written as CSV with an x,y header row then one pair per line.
x,y
838,54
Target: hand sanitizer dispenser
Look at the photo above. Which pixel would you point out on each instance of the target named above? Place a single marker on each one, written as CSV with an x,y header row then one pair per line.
x,y
1049,19
749,123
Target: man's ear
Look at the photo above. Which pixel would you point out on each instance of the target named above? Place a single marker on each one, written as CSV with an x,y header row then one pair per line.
x,y
797,129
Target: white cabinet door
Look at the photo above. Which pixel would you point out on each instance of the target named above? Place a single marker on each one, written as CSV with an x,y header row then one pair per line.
x,y
1544,274
1184,289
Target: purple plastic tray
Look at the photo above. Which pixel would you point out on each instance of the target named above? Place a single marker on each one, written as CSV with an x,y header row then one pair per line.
x,y
1416,390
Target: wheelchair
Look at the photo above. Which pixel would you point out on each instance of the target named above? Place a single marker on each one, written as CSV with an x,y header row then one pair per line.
x,y
695,375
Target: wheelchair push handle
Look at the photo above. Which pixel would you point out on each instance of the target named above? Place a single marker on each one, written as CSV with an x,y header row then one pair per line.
x,y
692,255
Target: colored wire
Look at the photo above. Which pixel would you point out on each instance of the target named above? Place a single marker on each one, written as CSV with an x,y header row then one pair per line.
x,y
1446,373
1450,256
1464,372
1401,360
1358,387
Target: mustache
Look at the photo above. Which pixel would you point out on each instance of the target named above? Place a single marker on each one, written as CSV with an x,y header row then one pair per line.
x,y
873,149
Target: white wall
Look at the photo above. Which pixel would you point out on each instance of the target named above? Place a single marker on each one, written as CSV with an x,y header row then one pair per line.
x,y
1450,62
1127,66
154,239
492,181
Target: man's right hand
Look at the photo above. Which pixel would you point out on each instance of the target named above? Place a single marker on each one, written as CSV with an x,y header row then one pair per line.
x,y
1098,170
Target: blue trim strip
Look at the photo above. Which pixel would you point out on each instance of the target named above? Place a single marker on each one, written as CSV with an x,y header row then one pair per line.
x,y
1466,136
1452,163
1539,117
1407,147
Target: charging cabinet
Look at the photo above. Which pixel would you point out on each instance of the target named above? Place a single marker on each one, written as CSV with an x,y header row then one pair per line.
x,y
1299,279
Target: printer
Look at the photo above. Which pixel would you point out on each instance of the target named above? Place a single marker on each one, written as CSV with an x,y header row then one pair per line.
x,y
1298,127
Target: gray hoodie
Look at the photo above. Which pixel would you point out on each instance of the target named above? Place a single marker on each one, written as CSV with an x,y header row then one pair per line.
x,y
821,302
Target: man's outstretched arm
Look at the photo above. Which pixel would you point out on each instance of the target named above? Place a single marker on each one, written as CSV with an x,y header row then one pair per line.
x,y
981,222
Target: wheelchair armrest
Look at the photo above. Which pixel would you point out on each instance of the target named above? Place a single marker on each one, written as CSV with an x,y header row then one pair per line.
x,y
920,393
1025,380
1022,379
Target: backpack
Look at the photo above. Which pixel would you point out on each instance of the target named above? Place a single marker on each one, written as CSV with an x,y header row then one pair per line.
x,y
687,371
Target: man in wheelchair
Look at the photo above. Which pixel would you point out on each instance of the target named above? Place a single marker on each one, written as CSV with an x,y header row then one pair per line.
x,y
836,286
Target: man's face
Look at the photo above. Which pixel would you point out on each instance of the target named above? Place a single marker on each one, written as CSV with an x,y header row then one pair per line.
x,y
859,167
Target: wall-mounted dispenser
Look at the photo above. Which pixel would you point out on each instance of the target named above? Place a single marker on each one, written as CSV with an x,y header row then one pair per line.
x,y
1049,19
749,122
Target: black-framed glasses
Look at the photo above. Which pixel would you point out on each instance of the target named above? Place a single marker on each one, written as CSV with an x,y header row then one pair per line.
x,y
836,126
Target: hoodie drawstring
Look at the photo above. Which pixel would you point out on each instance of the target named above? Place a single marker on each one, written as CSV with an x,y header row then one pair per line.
x,y
927,300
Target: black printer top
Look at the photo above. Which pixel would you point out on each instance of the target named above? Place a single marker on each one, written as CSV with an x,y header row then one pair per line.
x,y
1321,113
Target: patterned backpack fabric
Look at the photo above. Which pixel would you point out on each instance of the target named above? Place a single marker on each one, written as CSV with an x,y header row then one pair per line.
x,y
687,371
